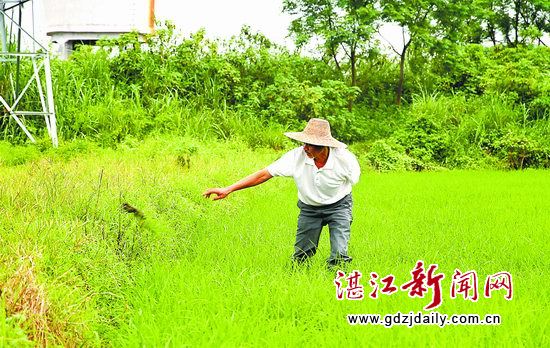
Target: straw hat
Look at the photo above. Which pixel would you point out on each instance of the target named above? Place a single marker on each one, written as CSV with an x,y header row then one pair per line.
x,y
317,132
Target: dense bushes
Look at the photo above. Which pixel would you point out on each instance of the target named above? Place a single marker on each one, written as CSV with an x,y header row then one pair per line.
x,y
520,73
462,132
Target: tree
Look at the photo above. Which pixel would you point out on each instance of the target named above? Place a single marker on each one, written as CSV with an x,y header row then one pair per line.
x,y
433,26
415,19
344,28
514,22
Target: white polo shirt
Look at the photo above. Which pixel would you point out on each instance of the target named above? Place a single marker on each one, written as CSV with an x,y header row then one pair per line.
x,y
319,186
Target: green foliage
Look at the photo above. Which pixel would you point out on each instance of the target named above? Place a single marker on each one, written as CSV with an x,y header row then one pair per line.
x,y
428,26
539,108
522,73
461,100
70,149
376,81
11,331
388,155
16,155
345,29
513,22
424,139
111,123
157,83
460,132
289,101
521,150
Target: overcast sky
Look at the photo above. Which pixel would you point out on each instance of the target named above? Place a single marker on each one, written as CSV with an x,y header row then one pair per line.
x,y
225,18
220,18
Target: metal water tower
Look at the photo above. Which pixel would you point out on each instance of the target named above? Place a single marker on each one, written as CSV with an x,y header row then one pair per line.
x,y
73,22
24,69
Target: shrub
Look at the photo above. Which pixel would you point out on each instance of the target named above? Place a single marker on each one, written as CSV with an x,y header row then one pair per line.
x,y
521,150
539,108
424,140
387,155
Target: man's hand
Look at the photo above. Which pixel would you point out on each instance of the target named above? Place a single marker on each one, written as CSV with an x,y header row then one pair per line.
x,y
220,192
252,180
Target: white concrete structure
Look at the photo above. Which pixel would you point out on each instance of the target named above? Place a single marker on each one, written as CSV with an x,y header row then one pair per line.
x,y
70,22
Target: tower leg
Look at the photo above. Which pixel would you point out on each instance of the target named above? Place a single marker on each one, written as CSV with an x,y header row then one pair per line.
x,y
51,105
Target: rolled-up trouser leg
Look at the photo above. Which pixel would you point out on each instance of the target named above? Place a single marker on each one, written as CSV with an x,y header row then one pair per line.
x,y
310,224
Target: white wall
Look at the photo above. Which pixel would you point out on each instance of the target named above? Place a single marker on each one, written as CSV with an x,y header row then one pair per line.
x,y
96,15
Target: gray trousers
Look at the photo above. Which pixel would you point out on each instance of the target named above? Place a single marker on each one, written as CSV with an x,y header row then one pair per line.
x,y
310,223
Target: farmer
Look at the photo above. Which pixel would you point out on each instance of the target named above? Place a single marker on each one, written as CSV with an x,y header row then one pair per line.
x,y
324,172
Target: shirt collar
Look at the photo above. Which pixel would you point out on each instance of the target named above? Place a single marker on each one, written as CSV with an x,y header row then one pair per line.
x,y
330,160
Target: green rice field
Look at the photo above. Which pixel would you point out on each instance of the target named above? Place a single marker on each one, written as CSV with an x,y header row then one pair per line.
x,y
77,270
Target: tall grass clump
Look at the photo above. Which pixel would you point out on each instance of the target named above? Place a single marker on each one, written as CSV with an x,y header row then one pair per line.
x,y
463,132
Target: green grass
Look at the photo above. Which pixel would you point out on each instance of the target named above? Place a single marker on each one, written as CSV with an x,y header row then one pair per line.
x,y
197,273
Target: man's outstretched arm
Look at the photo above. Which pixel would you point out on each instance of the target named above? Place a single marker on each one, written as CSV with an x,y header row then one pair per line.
x,y
254,179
